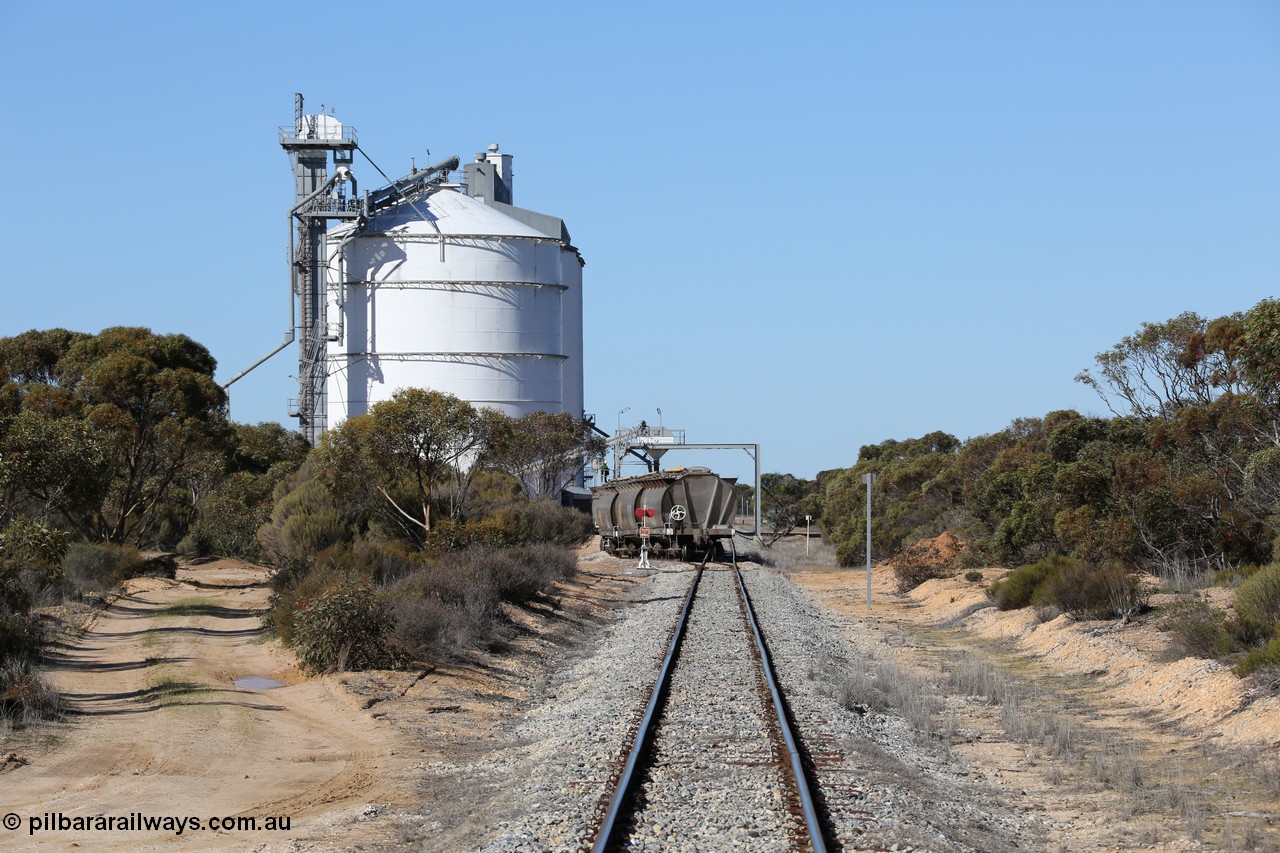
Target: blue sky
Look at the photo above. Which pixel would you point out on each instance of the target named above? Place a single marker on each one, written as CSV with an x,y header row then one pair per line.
x,y
811,225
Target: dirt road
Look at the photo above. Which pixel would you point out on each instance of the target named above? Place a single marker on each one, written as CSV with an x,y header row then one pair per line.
x,y
158,728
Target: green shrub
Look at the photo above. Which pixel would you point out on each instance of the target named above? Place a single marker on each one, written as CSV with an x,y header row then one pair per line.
x,y
1259,596
228,518
530,522
1235,575
294,591
1264,658
425,609
21,636
382,562
491,490
1245,632
973,576
30,554
343,628
1025,585
304,521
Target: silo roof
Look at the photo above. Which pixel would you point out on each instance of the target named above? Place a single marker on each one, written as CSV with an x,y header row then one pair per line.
x,y
453,213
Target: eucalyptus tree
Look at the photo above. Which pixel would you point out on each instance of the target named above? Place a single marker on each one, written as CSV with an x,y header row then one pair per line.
x,y
99,430
392,462
543,451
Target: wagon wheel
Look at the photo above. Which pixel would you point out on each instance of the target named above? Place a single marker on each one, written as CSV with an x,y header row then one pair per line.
x,y
678,513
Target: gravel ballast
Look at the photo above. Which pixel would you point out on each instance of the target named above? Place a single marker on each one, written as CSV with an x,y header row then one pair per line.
x,y
884,785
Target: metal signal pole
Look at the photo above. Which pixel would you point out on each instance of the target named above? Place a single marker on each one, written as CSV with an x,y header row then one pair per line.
x,y
868,479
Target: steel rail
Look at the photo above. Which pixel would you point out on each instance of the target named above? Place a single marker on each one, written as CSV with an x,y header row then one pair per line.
x,y
808,804
630,772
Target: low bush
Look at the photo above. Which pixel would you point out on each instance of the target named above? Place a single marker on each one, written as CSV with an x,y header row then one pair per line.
x,y
1259,596
1264,658
1025,585
1197,630
928,559
973,576
101,567
530,522
911,570
381,563
447,607
1245,632
304,521
30,557
25,697
343,628
549,562
228,518
427,608
294,591
22,638
431,629
451,534
454,603
526,571
1096,592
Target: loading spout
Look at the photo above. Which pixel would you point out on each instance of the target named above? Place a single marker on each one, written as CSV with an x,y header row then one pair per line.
x,y
289,337
292,335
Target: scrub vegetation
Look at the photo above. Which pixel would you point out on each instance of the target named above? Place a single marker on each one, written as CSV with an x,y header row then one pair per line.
x,y
115,442
1182,482
412,529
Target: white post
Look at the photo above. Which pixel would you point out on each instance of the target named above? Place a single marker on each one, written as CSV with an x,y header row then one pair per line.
x,y
806,534
868,479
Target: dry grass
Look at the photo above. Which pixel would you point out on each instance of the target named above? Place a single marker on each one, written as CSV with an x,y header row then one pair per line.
x,y
168,691
25,698
1191,787
789,555
884,687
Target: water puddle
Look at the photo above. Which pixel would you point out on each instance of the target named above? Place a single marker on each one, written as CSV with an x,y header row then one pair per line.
x,y
258,682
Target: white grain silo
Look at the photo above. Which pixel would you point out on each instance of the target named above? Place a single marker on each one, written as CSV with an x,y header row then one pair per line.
x,y
454,290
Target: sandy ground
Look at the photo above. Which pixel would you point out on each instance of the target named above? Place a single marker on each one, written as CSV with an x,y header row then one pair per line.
x,y
158,728
1192,731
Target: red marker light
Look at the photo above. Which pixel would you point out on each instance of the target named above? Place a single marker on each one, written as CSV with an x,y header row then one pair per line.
x,y
639,513
649,513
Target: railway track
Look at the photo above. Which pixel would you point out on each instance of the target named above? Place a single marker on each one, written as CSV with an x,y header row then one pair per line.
x,y
714,761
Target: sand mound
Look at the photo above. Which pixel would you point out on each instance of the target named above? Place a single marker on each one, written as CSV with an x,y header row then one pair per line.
x,y
941,553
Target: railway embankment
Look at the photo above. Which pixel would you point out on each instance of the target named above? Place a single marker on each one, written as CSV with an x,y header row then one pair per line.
x,y
884,783
930,727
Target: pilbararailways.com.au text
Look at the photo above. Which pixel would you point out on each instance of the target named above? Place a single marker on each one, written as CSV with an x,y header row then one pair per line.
x,y
138,822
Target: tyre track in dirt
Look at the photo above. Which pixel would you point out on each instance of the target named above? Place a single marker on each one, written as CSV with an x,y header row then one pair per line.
x,y
156,725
